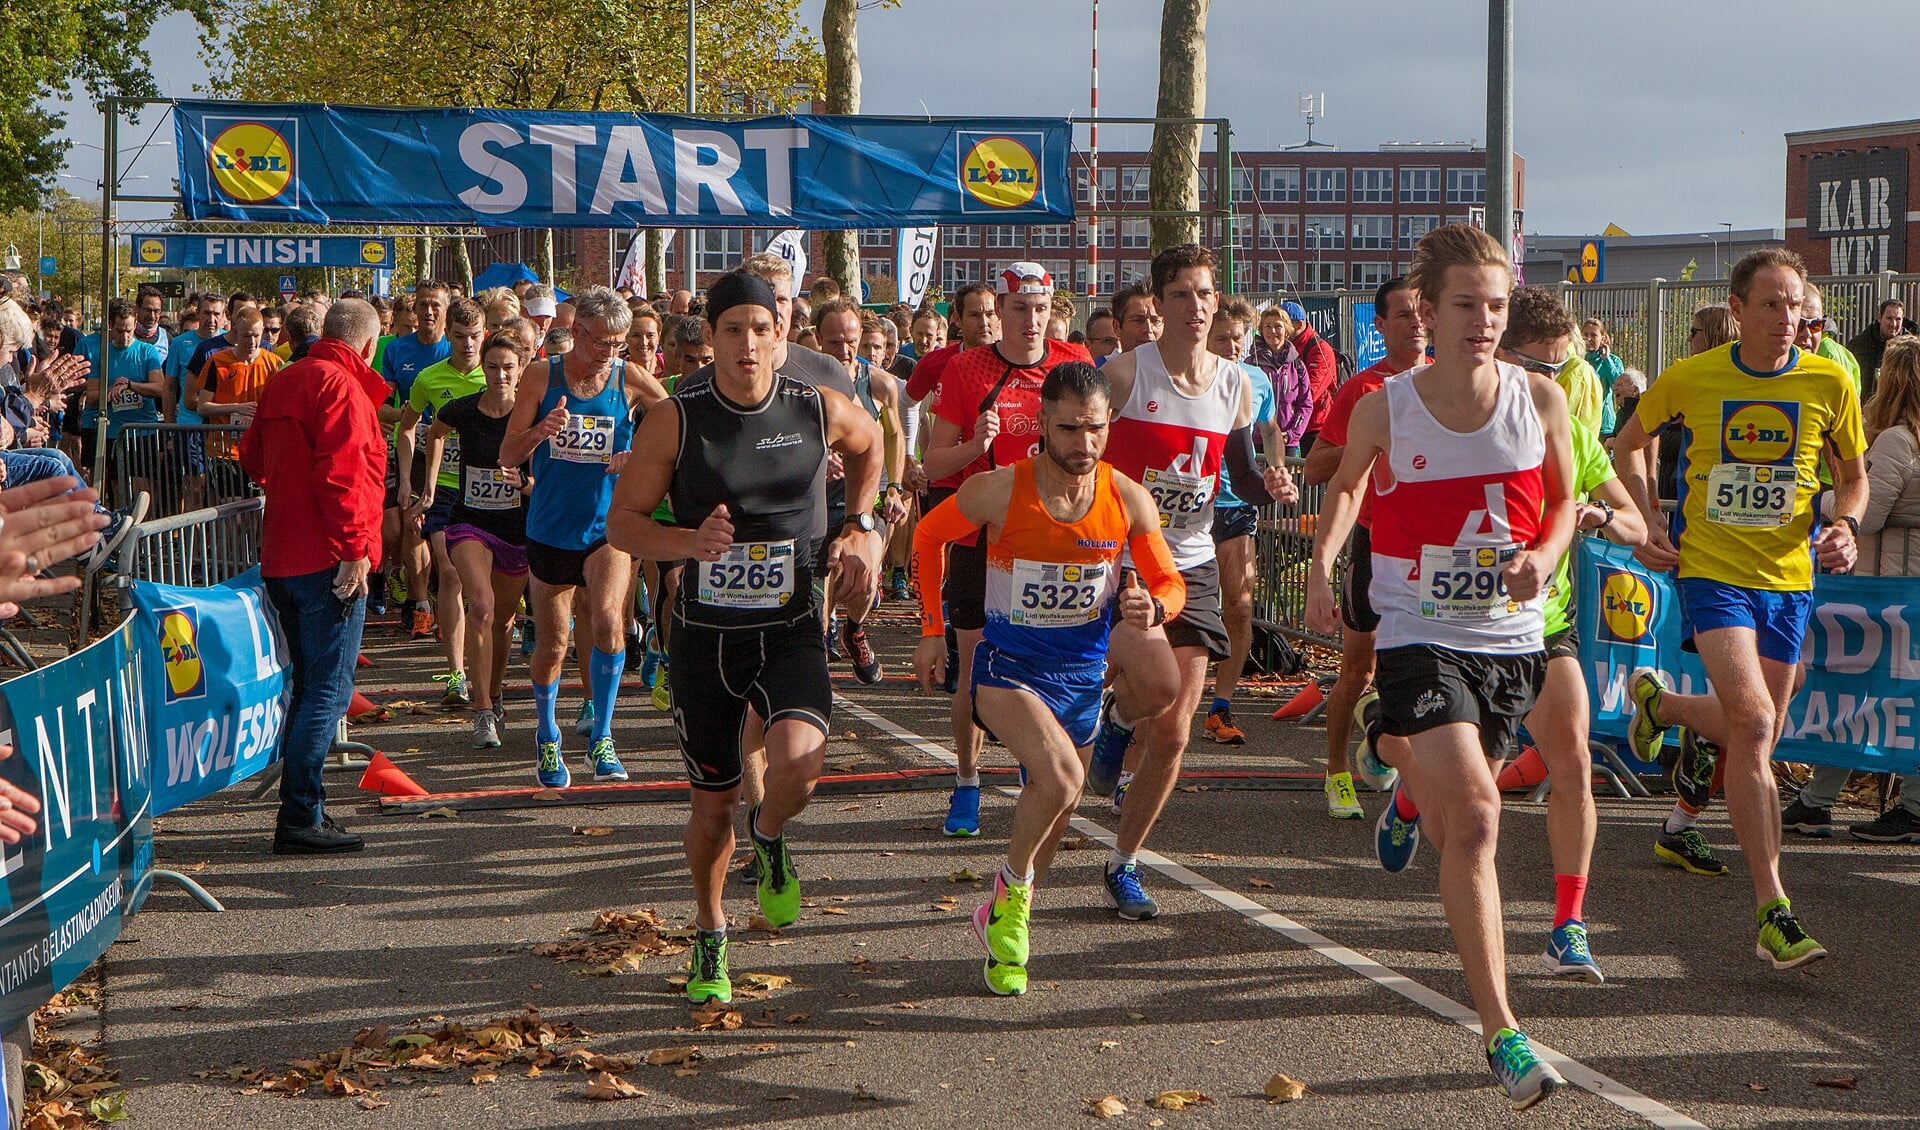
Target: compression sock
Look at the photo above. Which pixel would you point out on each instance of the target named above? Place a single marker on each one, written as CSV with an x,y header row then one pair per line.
x,y
1569,898
1680,819
545,729
1220,706
606,688
1404,806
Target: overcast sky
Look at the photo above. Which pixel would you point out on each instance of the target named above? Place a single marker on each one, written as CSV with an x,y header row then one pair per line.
x,y
1657,115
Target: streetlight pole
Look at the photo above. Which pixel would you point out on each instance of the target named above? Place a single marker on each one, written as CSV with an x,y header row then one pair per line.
x,y
1727,224
686,247
1500,122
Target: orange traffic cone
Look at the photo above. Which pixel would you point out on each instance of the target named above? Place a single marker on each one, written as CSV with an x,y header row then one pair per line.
x,y
364,709
1524,772
384,777
362,660
1297,706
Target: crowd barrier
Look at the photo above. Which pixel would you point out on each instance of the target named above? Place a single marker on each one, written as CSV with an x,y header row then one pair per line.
x,y
183,467
1283,550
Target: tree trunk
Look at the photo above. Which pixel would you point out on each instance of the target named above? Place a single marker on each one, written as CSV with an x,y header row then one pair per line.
x,y
544,254
656,266
841,248
1174,184
422,259
462,266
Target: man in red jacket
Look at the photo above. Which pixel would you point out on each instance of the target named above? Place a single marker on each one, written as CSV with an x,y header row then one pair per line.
x,y
1323,369
316,448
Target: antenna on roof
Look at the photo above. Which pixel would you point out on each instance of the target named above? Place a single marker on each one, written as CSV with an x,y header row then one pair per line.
x,y
1313,107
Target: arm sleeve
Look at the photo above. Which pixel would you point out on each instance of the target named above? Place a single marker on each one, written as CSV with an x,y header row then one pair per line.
x,y
943,525
1242,473
1155,562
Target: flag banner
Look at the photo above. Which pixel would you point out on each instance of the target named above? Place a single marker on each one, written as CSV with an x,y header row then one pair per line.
x,y
913,262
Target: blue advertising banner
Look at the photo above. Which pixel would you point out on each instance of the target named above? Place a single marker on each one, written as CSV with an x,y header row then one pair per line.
x,y
529,168
216,681
81,743
1369,346
200,252
1858,707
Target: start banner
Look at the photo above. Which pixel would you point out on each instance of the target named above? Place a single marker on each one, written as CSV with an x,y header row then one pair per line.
x,y
1857,708
286,162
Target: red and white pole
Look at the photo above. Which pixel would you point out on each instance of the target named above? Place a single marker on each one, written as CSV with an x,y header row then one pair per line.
x,y
1093,169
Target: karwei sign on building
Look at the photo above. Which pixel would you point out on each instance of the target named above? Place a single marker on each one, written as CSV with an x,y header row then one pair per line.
x,y
1857,202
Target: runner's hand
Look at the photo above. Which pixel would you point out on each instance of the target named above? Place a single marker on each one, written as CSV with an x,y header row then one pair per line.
x,y
1279,483
17,807
554,422
857,563
1836,548
1321,618
350,579
1527,574
715,535
986,427
618,462
915,476
1657,552
1136,603
930,662
512,477
420,505
836,467
895,511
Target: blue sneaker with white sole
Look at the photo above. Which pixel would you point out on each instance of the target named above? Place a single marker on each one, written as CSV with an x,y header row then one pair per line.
x,y
552,768
963,811
1395,840
583,721
1568,954
605,763
1110,742
1127,896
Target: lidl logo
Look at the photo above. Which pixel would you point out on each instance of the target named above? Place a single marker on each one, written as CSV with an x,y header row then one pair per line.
x,y
1484,556
252,162
151,250
757,553
1759,431
1626,608
999,171
1070,573
373,253
180,654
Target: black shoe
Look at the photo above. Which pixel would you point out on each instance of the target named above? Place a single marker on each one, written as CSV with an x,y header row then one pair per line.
x,y
833,639
324,838
1807,820
1692,773
1895,826
866,665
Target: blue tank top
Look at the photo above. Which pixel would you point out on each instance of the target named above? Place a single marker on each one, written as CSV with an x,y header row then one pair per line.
x,y
571,487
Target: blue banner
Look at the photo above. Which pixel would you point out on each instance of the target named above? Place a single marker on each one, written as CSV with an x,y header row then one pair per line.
x,y
216,680
81,742
1858,706
1369,346
530,168
200,252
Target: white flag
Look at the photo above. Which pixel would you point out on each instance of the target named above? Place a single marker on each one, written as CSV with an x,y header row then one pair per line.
x,y
791,245
913,262
633,266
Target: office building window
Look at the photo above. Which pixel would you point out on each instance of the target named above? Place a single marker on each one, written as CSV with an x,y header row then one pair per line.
x,y
1281,275
1243,186
876,268
1466,186
1053,235
956,273
1326,186
1369,276
1243,233
1133,271
876,237
1373,186
719,249
1136,233
1108,229
1419,186
1324,276
1006,235
960,237
1326,233
1106,278
1279,233
1133,185
1280,185
1372,233
1413,227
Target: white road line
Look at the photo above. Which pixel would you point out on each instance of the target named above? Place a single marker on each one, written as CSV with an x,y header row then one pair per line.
x,y
1580,1075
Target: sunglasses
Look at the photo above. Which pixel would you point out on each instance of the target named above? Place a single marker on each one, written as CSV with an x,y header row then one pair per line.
x,y
1535,365
1815,324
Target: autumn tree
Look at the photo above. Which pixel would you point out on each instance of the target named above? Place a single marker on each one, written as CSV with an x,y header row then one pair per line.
x,y
1174,182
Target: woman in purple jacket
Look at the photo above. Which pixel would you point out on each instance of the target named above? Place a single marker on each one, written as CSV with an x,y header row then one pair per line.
x,y
1276,356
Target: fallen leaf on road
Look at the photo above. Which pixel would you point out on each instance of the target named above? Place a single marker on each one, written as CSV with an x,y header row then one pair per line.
x,y
1178,1100
368,1102
875,1023
907,1004
796,1018
861,1094
1108,1045
608,1087
1259,883
593,830
833,910
946,904
1107,1106
768,981
546,794
964,875
667,1057
685,1072
1283,1088
1075,841
1838,1082
1760,1087
762,1047
848,808
716,1017
759,922
1136,1016
1190,788
482,1078
442,813
1208,855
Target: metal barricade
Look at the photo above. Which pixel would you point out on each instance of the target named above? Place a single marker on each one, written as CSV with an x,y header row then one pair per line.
x,y
200,548
184,467
1283,554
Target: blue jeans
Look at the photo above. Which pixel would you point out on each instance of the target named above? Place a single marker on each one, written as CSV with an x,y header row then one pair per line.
x,y
31,464
323,643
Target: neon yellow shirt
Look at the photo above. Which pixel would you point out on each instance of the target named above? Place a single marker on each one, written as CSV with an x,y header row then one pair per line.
x,y
437,385
1749,470
1590,469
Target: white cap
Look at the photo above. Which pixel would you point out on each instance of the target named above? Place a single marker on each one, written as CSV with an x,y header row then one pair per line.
x,y
540,307
1023,278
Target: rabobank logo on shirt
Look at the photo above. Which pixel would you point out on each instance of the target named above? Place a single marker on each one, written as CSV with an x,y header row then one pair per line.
x,y
252,160
1759,431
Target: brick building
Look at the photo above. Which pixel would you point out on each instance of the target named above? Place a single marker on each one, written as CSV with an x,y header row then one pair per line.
x,y
1304,219
1849,204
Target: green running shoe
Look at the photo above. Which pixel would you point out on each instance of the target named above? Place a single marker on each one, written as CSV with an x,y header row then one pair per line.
x,y
583,721
779,887
1001,923
1646,733
458,693
662,693
1005,980
1524,1076
1782,941
707,978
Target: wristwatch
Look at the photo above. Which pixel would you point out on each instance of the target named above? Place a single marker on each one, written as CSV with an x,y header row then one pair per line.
x,y
862,521
1603,504
1852,524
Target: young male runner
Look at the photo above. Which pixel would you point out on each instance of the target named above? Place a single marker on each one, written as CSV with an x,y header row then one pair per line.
x,y
403,361
743,455
433,388
486,534
574,419
1396,307
987,415
1056,523
1471,462
1759,415
1182,415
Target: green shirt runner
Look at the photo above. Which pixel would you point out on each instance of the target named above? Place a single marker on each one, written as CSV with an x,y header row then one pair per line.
x,y
437,386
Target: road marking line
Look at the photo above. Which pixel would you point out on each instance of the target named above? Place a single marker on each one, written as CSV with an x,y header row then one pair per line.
x,y
1580,1075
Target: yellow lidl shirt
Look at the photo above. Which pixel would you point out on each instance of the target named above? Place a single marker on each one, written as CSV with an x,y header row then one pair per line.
x,y
1749,470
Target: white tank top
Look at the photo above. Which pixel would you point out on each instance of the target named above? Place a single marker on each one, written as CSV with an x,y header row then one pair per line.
x,y
1449,509
1172,444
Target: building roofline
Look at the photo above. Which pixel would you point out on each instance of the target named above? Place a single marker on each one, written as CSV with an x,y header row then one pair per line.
x,y
1852,133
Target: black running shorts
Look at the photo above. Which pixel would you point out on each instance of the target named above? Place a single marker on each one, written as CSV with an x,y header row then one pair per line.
x,y
779,670
1423,687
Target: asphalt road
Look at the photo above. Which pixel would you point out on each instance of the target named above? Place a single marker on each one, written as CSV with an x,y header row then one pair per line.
x,y
1281,948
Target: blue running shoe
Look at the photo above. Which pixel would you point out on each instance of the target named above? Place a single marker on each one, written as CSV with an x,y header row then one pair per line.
x,y
651,662
1395,840
552,768
583,721
963,811
605,763
1110,742
1568,956
1524,1076
1127,896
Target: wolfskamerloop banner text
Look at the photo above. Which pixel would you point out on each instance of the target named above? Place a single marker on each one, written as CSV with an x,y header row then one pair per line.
x,y
184,698
302,162
1857,708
